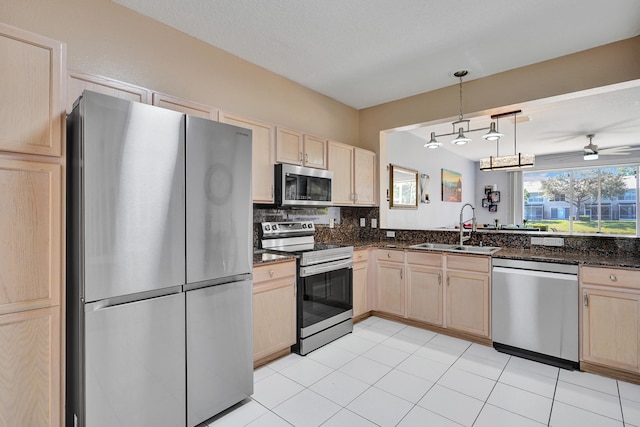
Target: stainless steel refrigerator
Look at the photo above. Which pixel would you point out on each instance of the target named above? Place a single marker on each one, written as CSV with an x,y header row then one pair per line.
x,y
159,238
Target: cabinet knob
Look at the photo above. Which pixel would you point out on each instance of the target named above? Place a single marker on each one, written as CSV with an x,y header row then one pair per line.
x,y
271,273
388,254
613,277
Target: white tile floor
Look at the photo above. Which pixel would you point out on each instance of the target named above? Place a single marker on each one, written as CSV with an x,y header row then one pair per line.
x,y
390,374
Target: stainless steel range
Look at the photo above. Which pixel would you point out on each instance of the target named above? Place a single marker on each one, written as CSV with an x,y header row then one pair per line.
x,y
324,282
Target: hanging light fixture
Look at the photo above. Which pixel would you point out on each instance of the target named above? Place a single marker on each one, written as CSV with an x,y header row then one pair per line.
x,y
461,125
516,161
433,142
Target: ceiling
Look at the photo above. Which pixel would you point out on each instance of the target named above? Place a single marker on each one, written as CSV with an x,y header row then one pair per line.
x,y
367,52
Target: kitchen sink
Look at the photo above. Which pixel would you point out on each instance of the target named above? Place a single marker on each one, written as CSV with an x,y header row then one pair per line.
x,y
435,246
483,250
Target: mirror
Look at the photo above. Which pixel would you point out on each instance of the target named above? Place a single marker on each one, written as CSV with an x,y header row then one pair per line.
x,y
403,185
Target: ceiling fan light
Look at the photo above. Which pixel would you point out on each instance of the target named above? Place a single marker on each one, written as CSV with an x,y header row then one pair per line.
x,y
493,134
460,139
591,156
433,142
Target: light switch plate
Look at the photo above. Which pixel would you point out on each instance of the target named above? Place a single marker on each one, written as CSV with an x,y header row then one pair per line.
x,y
374,223
332,222
391,234
537,240
363,222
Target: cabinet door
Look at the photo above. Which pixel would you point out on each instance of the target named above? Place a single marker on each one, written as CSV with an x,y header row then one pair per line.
x,y
340,162
274,316
30,388
611,328
364,177
467,302
79,82
288,146
315,152
30,226
391,288
31,87
263,135
424,294
360,270
184,106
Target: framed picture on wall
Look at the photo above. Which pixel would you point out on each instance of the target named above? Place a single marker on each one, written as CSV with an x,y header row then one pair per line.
x,y
485,203
487,189
494,196
493,208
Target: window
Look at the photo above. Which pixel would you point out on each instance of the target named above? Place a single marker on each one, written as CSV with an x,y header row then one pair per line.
x,y
596,200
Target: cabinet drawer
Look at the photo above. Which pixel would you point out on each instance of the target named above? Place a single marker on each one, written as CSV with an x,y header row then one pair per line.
x,y
421,258
390,255
274,271
468,263
361,255
606,276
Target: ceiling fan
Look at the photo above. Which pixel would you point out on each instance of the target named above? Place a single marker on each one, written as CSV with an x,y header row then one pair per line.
x,y
591,151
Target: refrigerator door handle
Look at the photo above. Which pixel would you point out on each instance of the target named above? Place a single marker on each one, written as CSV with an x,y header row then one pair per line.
x,y
217,281
125,299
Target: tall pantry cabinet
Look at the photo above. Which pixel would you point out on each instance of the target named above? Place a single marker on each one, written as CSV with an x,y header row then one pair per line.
x,y
31,228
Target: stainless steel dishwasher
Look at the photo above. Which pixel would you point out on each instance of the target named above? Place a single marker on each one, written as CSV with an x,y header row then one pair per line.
x,y
535,311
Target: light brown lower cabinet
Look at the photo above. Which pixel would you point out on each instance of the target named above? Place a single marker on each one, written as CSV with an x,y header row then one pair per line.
x,y
424,287
30,381
468,294
611,317
450,291
360,277
391,282
274,308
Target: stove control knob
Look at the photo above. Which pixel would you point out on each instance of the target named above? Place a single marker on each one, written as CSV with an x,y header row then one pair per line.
x,y
274,227
267,227
304,225
310,225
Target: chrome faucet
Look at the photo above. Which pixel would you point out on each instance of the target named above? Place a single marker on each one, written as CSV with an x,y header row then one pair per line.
x,y
464,238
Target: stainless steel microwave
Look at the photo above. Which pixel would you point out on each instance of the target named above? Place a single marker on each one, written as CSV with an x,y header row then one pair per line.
x,y
301,186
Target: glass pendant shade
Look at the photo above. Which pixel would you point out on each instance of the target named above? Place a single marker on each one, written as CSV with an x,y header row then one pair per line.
x,y
433,142
493,134
515,161
460,139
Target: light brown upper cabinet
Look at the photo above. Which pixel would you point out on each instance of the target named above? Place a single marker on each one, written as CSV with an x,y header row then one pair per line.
x,y
79,82
263,137
184,106
315,152
31,227
296,148
32,83
353,174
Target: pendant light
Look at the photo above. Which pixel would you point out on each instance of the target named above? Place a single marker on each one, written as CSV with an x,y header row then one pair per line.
x,y
516,161
461,125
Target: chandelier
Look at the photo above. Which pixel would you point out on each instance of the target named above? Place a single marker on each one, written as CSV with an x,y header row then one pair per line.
x,y
462,123
515,161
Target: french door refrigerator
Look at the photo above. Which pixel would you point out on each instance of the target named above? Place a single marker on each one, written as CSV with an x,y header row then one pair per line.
x,y
159,316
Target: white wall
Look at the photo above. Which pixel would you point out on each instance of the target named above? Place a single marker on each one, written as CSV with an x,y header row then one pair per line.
x,y
405,149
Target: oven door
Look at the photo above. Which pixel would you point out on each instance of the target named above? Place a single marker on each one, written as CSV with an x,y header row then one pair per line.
x,y
325,296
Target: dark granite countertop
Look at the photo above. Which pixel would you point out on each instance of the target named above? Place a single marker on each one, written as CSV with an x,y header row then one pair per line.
x,y
528,254
261,257
536,254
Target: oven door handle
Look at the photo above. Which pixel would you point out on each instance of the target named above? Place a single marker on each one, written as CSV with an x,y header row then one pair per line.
x,y
326,267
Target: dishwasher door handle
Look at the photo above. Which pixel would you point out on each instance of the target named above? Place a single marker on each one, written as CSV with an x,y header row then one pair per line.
x,y
536,273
